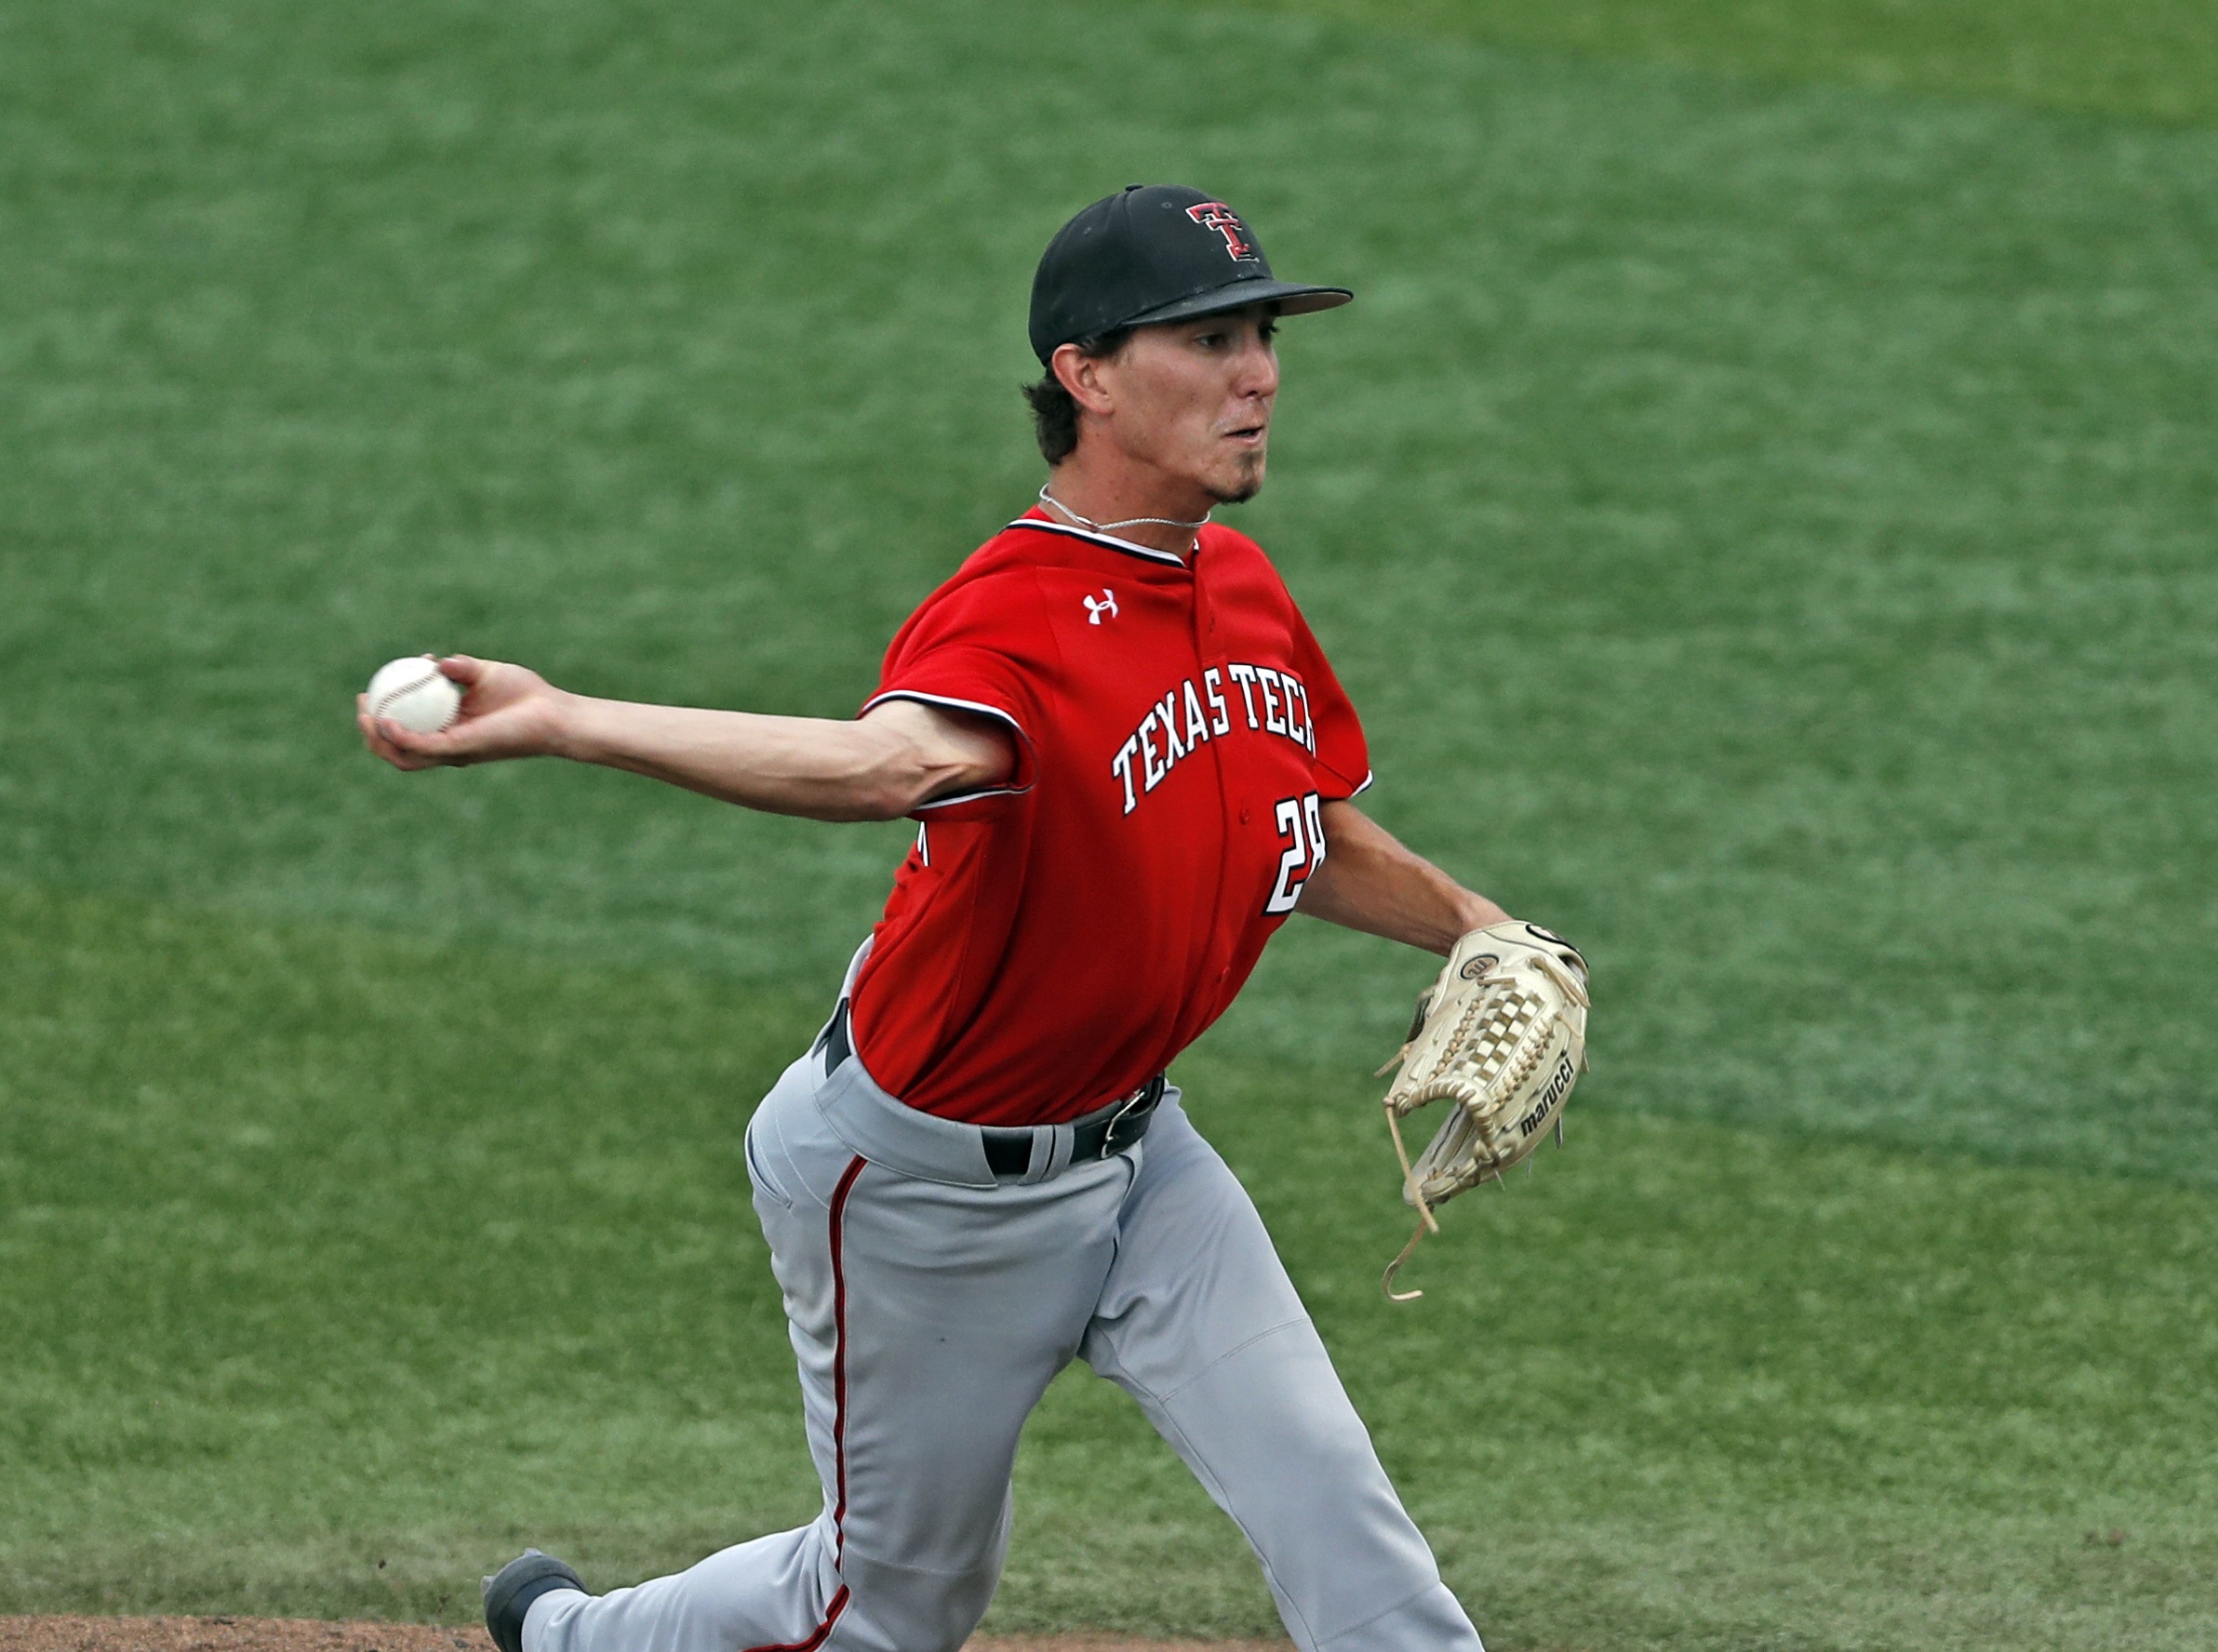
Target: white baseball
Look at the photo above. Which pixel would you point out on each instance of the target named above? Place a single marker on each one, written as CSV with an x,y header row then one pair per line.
x,y
415,694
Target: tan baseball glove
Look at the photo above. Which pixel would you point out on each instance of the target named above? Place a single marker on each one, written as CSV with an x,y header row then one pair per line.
x,y
1501,1036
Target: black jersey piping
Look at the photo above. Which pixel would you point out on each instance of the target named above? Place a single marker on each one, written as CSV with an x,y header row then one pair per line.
x,y
1111,540
955,797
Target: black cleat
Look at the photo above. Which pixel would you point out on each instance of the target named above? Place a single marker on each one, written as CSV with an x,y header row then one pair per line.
x,y
510,1592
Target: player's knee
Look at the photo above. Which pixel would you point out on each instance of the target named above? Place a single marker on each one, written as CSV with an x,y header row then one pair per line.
x,y
906,1609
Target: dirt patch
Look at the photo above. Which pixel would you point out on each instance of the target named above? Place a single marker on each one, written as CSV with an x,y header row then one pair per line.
x,y
230,1634
305,1635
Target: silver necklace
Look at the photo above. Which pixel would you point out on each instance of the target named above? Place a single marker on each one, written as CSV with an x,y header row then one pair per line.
x,y
1087,522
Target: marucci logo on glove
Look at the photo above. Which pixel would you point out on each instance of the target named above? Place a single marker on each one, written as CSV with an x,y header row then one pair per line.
x,y
1559,1087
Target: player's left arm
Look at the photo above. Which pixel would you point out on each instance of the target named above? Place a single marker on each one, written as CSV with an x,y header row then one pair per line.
x,y
1369,882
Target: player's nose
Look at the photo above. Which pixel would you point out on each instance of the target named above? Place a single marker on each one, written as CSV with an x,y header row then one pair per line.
x,y
1257,372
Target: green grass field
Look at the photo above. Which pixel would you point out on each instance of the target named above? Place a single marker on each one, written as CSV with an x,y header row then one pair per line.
x,y
1817,403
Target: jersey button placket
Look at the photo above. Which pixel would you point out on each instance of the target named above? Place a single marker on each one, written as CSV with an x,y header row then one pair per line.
x,y
1205,632
1205,613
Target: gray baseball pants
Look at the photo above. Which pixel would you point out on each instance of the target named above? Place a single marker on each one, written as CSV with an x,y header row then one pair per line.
x,y
930,1303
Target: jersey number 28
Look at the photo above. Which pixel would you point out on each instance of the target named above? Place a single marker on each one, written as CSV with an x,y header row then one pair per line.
x,y
1303,826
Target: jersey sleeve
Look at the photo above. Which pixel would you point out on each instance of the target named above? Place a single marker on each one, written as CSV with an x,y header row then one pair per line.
x,y
962,651
1342,757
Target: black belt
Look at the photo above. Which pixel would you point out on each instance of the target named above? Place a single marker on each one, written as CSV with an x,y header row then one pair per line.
x,y
1009,1153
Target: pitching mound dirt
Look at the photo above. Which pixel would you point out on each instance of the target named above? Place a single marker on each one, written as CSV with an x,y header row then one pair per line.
x,y
301,1634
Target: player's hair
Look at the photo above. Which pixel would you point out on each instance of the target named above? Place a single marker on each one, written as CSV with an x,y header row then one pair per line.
x,y
1054,414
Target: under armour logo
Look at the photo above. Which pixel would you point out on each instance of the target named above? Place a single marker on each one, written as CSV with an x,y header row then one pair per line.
x,y
1216,214
1107,604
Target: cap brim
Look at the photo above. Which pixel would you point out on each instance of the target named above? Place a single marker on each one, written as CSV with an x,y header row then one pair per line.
x,y
1291,296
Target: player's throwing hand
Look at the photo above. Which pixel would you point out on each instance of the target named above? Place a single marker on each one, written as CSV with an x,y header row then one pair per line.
x,y
507,711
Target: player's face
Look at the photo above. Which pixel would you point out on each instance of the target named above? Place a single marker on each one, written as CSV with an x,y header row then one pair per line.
x,y
1192,400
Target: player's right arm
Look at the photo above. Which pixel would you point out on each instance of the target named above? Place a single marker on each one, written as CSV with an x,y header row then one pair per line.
x,y
880,766
1368,881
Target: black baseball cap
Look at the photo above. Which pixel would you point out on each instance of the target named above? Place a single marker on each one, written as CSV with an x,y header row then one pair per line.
x,y
1155,252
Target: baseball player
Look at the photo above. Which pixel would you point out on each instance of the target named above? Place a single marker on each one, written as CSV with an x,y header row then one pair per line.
x,y
1128,761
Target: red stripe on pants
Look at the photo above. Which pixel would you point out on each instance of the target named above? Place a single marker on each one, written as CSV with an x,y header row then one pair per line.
x,y
839,1412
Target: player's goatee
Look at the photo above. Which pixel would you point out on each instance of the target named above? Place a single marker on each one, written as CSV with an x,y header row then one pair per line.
x,y
1241,491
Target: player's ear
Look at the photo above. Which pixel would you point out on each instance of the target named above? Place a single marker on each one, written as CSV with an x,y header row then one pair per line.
x,y
1082,376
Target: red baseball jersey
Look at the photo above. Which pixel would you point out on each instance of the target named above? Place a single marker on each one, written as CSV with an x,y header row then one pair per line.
x,y
1051,945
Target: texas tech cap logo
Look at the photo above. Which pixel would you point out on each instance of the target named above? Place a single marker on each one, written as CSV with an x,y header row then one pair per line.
x,y
1216,214
1151,253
